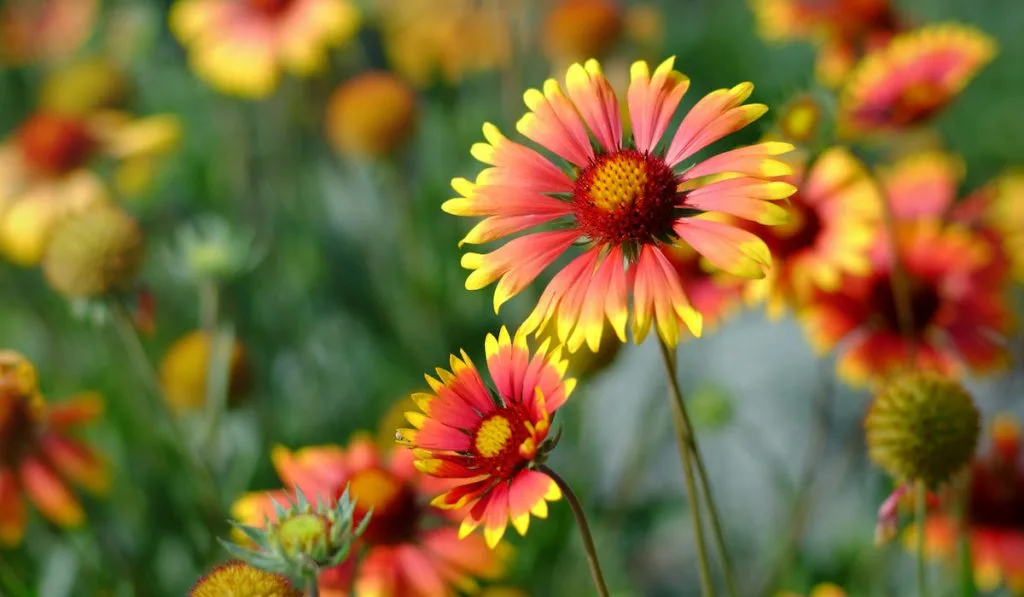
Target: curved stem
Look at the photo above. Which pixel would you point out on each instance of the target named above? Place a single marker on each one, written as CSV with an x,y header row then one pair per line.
x,y
688,454
581,522
921,507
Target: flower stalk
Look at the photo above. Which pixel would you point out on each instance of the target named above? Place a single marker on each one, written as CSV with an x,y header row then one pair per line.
x,y
921,515
581,522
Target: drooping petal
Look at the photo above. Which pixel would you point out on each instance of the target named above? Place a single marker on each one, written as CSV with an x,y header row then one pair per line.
x,y
76,462
49,494
658,297
526,490
517,263
12,509
734,250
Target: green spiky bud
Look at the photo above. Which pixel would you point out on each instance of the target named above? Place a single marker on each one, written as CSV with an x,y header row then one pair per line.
x,y
922,427
302,538
94,252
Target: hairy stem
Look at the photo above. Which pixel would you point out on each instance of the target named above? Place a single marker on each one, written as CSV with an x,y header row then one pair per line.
x,y
581,522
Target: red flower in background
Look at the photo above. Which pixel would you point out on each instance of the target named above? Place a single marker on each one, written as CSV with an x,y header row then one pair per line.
x,y
411,549
994,516
38,456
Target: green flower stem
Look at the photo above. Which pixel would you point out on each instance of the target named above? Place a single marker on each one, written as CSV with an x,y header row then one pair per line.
x,y
966,561
581,522
921,514
686,444
200,474
313,587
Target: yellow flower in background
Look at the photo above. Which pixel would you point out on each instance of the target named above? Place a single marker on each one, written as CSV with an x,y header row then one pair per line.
x,y
371,115
426,40
84,86
39,456
575,30
1006,215
238,579
44,30
185,367
241,47
46,170
822,590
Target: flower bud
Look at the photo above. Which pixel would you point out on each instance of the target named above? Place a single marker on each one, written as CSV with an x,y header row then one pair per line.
x,y
94,252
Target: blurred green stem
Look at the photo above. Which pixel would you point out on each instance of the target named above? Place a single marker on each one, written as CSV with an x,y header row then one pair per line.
x,y
687,453
966,563
201,476
581,522
313,587
921,514
10,582
209,304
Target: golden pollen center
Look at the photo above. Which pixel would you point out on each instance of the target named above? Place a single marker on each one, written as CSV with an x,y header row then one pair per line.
x,y
619,181
374,488
493,436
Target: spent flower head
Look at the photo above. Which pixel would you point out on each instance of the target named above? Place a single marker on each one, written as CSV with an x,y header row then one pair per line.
x,y
303,538
922,427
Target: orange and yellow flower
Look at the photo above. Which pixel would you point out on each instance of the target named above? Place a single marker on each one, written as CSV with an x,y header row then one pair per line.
x,y
410,548
448,40
242,46
46,170
912,78
956,317
38,455
625,202
44,30
994,514
843,29
1002,205
489,442
833,221
575,30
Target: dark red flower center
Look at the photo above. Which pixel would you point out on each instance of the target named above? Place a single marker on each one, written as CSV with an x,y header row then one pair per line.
x,y
997,496
497,439
396,513
915,103
270,8
53,144
798,234
626,197
18,426
924,304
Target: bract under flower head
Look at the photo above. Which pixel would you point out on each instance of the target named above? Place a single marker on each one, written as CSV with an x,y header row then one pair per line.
x,y
625,202
491,441
410,549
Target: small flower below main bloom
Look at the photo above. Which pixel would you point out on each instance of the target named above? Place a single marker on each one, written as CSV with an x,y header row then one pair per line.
x,y
489,443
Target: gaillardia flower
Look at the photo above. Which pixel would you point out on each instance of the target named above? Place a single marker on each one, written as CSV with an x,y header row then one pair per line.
x,y
625,202
956,315
44,30
241,46
994,514
46,170
410,548
427,40
371,115
577,29
238,579
38,456
184,371
1005,216
912,78
490,441
843,29
833,221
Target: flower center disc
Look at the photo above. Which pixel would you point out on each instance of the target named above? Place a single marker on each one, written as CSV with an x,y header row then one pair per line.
x,y
55,145
496,441
18,425
798,233
924,304
393,502
917,102
626,196
270,8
